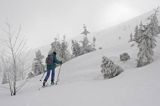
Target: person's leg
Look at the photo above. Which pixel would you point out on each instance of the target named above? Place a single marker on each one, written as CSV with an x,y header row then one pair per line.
x,y
46,78
52,76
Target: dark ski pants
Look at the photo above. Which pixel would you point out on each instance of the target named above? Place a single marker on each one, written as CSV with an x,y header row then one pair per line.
x,y
48,74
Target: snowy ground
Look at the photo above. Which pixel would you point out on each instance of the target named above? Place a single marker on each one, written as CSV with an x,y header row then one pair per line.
x,y
81,83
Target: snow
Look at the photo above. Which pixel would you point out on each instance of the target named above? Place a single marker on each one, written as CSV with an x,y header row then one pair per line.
x,y
82,84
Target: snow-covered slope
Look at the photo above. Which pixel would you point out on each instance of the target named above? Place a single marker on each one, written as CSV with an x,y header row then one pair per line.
x,y
81,82
119,34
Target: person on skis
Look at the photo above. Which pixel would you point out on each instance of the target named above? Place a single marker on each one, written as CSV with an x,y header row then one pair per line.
x,y
51,62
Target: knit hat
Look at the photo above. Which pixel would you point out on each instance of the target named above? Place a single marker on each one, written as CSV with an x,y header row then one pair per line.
x,y
54,53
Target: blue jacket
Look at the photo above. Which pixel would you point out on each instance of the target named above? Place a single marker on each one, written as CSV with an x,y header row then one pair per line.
x,y
55,61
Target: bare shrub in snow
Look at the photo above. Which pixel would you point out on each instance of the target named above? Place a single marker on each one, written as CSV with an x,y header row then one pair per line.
x,y
12,59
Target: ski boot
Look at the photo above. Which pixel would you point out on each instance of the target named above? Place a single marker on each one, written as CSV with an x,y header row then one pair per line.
x,y
44,83
52,82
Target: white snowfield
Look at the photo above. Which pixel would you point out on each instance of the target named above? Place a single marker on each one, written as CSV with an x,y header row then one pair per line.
x,y
81,82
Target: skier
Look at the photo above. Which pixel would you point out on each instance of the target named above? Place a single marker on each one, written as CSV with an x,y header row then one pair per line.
x,y
51,62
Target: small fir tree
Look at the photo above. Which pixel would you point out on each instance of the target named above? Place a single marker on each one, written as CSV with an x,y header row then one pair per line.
x,y
65,55
76,49
85,31
86,45
55,46
94,43
109,69
38,66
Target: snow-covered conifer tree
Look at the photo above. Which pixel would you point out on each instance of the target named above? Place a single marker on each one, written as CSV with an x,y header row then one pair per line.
x,y
38,66
76,49
55,46
109,69
154,27
131,38
85,31
85,42
61,48
86,45
145,37
64,54
94,43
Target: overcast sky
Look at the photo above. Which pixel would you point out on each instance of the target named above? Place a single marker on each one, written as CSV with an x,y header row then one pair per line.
x,y
42,20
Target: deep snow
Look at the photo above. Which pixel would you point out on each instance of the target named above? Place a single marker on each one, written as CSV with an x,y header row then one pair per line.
x,y
81,82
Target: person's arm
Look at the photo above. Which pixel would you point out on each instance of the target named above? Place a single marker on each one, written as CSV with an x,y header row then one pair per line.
x,y
57,61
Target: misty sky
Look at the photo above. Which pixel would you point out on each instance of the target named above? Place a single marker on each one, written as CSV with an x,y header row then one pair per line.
x,y
42,20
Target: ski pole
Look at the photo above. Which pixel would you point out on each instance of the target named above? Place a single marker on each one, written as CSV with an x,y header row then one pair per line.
x,y
58,74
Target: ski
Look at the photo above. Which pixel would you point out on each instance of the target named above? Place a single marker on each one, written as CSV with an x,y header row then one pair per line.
x,y
46,86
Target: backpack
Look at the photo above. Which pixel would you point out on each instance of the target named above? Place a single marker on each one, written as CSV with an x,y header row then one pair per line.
x,y
49,60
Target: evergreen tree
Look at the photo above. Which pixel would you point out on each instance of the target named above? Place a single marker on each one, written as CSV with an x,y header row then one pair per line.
x,y
76,49
85,42
37,65
145,37
86,45
85,31
61,48
64,54
55,46
94,43
131,38
136,34
154,27
109,69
